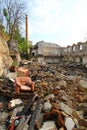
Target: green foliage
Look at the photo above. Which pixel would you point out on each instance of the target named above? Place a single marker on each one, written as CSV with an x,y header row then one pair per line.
x,y
5,12
2,28
4,33
23,48
15,63
17,35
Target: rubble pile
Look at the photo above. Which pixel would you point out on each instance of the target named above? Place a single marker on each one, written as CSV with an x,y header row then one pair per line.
x,y
58,102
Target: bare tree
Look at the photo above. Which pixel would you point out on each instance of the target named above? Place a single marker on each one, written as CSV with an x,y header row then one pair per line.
x,y
14,13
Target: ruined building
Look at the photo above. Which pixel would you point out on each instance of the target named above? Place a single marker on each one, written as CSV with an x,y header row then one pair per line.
x,y
53,53
47,52
76,53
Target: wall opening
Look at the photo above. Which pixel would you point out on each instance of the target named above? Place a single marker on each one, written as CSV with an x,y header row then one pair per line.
x,y
81,59
33,54
80,47
74,48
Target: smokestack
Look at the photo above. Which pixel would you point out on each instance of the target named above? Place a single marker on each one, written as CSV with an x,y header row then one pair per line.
x,y
26,28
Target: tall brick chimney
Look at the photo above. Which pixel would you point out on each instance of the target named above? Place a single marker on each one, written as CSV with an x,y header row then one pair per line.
x,y
26,28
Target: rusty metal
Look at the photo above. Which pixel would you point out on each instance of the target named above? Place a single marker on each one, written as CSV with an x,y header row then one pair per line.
x,y
56,116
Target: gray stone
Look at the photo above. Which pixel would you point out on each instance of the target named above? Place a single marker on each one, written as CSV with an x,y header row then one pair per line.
x,y
49,125
76,114
47,106
14,102
16,110
50,96
62,84
58,87
83,107
64,98
61,128
65,108
11,75
2,127
69,123
83,85
3,116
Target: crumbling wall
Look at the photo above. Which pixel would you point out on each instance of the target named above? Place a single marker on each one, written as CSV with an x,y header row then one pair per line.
x,y
76,53
13,49
52,60
40,48
52,53
13,46
84,60
5,59
48,52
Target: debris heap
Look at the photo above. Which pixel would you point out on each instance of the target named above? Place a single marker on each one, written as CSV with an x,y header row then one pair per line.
x,y
58,101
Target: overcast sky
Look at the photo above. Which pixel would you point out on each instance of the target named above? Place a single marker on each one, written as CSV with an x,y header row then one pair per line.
x,y
58,21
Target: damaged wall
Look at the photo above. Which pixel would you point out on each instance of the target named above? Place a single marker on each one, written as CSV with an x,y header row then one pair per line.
x,y
48,52
84,60
5,59
13,50
76,53
53,53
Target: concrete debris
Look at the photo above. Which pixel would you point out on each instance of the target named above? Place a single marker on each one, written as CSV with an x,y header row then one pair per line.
x,y
65,108
49,97
41,96
49,125
69,123
62,84
14,103
83,85
47,106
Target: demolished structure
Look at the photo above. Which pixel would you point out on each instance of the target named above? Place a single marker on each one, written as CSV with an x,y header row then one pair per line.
x,y
53,53
76,53
59,101
56,95
47,52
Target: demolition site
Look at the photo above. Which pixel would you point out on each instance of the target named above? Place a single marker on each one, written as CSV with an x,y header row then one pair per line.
x,y
47,92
